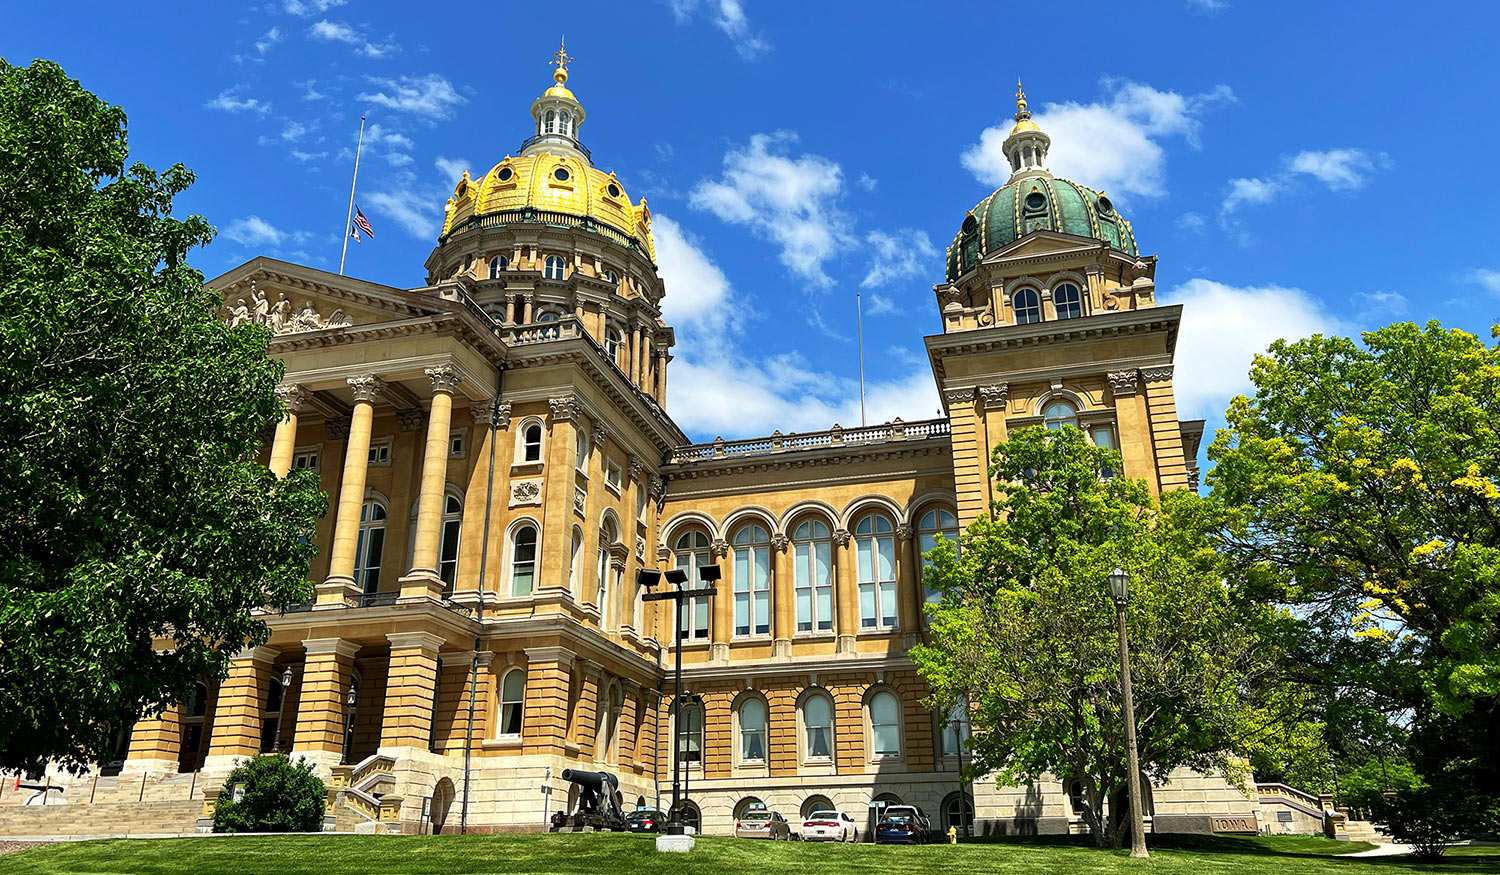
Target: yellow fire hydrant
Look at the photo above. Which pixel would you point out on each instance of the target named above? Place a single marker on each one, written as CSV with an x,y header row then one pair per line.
x,y
952,835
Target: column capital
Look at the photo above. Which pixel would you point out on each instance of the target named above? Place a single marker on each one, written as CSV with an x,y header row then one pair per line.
x,y
1122,382
564,407
415,640
904,531
410,420
366,387
550,654
295,397
257,654
841,537
601,430
637,465
995,395
445,378
321,646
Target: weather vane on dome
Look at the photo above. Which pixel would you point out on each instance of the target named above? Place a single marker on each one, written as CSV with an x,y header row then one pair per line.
x,y
560,58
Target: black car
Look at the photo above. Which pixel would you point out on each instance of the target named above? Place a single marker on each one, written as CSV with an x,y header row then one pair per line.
x,y
904,825
645,820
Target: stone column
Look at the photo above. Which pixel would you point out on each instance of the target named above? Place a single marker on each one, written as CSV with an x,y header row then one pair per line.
x,y
560,510
635,354
423,578
908,582
526,309
661,377
322,706
1134,426
783,596
237,715
549,679
285,444
340,584
845,592
992,401
648,353
156,743
457,666
471,538
409,690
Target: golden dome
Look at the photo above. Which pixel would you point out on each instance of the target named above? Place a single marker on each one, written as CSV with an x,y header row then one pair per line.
x,y
560,75
552,190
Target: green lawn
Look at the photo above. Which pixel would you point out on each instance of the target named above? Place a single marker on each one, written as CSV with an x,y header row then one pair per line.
x,y
624,854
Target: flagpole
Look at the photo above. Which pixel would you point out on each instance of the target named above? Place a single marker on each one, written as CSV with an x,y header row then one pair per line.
x,y
350,217
859,330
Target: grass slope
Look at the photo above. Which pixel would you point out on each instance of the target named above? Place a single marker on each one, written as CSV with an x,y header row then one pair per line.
x,y
621,854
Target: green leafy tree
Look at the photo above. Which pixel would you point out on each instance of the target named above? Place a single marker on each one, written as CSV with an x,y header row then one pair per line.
x,y
1368,479
137,529
270,793
1026,630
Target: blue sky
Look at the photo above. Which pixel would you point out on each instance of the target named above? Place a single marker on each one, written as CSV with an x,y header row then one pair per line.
x,y
1298,167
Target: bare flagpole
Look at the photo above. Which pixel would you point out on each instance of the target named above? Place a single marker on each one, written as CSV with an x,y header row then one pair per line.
x,y
859,322
348,220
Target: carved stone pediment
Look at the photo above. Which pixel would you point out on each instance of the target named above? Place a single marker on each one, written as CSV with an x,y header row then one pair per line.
x,y
282,316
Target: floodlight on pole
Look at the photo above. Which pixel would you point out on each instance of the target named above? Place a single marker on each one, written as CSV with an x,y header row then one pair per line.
x,y
1119,589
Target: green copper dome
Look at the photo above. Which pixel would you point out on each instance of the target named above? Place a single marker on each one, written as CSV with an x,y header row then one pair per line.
x,y
1036,203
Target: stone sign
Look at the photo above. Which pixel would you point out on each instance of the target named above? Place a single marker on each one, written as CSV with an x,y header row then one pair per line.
x,y
1236,825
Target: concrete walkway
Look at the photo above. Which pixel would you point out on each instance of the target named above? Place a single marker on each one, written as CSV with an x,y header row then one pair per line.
x,y
1391,849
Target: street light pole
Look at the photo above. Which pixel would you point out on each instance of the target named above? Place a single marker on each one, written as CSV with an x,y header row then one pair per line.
x,y
286,681
1119,585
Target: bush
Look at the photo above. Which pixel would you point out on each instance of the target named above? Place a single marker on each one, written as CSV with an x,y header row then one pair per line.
x,y
1430,818
271,794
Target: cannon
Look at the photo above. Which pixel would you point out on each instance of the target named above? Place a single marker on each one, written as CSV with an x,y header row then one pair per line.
x,y
598,802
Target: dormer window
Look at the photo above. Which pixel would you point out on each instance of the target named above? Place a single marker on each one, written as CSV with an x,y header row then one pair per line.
x,y
553,267
1067,300
1028,306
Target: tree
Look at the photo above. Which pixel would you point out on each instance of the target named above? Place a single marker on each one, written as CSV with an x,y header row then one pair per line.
x,y
1026,630
270,793
137,529
1367,476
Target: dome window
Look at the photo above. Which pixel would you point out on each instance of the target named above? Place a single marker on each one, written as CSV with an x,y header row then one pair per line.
x,y
549,123
1105,207
498,264
1068,301
505,174
561,174
1036,201
611,277
1028,306
553,267
565,123
614,190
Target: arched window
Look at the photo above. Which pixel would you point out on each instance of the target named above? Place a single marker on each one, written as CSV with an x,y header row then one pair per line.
x,y
1027,305
875,551
522,560
958,813
548,316
531,442
955,730
691,553
817,727
815,804
552,268
752,719
1076,802
612,341
550,122
938,521
747,805
565,123
611,277
575,559
691,745
453,523
1067,301
498,265
1058,414
581,449
512,702
885,725
691,818
370,546
607,537
812,573
752,581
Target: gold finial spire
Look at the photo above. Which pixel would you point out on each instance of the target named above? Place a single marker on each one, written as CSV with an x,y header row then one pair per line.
x,y
1022,113
561,59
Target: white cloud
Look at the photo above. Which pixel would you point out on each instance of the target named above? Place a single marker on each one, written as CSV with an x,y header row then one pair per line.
x,y
311,7
1250,191
1224,328
1339,169
904,254
305,157
1489,279
310,90
412,210
451,168
272,37
1190,222
377,135
254,231
791,201
338,31
1386,304
881,305
1113,145
867,182
698,293
431,96
729,17
1208,5
229,101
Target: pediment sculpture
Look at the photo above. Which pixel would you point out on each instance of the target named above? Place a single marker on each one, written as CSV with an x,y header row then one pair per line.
x,y
282,317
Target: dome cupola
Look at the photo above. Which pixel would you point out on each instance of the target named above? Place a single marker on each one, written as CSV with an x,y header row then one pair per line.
x,y
1026,147
558,115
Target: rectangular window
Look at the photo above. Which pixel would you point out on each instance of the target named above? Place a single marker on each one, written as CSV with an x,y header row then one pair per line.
x,y
306,458
752,589
694,618
813,579
612,474
456,443
380,452
876,565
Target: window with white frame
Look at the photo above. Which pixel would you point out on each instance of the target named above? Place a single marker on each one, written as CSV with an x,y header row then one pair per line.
x,y
370,545
640,503
531,442
812,576
875,555
752,581
307,458
1058,414
752,719
522,560
817,727
1028,306
549,122
512,702
581,449
458,443
611,277
565,123
607,536
1103,437
691,552
690,748
1067,301
884,711
498,265
380,452
938,521
453,523
575,559
613,339
552,267
612,474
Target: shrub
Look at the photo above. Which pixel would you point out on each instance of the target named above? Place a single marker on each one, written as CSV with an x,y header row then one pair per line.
x,y
1432,817
271,794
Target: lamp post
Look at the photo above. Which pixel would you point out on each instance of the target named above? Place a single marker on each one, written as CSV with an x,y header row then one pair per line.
x,y
1119,588
349,701
286,681
649,578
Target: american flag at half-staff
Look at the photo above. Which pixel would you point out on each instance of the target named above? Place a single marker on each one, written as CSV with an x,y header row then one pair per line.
x,y
364,223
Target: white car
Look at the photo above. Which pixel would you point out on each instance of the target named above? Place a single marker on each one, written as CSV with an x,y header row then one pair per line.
x,y
829,826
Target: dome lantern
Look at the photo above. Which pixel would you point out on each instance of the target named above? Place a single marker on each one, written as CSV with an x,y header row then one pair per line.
x,y
558,115
1026,147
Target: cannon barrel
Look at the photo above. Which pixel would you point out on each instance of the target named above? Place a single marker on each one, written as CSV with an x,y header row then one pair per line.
x,y
589,779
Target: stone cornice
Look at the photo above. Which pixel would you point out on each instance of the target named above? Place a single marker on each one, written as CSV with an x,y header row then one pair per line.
x,y
815,458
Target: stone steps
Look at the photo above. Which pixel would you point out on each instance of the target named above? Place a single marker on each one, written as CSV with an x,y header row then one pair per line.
x,y
1364,831
109,818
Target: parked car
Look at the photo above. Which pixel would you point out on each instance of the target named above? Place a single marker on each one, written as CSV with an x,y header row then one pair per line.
x,y
903,825
760,823
829,826
646,820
